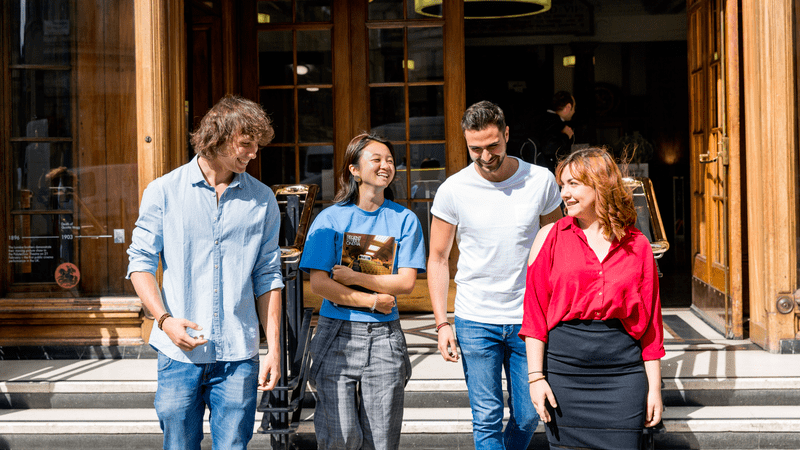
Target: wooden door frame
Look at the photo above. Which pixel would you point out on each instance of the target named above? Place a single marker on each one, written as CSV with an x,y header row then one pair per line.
x,y
770,120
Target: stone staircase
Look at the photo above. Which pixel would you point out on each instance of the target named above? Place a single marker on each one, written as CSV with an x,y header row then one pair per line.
x,y
719,394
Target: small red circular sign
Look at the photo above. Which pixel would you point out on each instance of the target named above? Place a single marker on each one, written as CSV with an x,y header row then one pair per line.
x,y
67,275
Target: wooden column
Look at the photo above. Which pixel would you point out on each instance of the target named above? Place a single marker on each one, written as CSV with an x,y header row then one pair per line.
x,y
771,165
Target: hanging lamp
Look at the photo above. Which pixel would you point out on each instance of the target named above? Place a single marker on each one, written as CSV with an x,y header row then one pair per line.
x,y
486,9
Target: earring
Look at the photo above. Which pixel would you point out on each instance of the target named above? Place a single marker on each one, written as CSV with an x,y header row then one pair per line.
x,y
357,178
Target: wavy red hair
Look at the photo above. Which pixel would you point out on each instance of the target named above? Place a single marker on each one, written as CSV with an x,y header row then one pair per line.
x,y
595,168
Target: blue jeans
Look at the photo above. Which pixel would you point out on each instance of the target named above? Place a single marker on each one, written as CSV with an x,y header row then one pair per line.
x,y
486,350
184,390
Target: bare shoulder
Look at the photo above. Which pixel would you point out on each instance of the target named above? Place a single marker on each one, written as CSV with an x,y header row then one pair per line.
x,y
538,242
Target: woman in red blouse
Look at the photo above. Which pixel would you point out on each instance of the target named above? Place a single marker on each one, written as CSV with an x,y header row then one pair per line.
x,y
592,323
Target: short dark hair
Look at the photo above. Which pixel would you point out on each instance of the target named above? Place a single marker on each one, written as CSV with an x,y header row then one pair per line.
x,y
348,186
560,100
481,115
231,116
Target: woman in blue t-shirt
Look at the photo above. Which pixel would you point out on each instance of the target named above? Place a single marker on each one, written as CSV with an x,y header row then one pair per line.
x,y
360,362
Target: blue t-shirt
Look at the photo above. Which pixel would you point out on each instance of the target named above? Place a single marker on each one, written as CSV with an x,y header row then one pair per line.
x,y
323,247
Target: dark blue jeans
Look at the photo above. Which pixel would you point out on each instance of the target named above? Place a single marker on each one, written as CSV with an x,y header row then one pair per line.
x,y
487,350
184,390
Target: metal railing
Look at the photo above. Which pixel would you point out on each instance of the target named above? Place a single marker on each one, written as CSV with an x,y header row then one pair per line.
x,y
283,405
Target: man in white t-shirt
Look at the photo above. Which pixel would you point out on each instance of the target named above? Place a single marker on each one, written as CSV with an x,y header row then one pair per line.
x,y
493,208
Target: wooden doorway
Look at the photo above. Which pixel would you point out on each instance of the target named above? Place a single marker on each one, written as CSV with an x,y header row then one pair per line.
x,y
718,244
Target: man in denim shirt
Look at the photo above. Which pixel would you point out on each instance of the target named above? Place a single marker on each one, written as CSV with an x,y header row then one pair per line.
x,y
215,230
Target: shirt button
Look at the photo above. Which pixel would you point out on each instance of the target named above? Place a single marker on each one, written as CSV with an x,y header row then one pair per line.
x,y
599,293
215,290
216,242
601,272
216,266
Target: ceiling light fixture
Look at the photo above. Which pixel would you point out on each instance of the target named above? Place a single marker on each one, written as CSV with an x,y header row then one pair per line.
x,y
486,9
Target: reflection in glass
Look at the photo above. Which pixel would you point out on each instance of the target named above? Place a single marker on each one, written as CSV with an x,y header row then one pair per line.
x,y
385,10
314,57
40,32
275,58
275,11
425,54
386,55
317,168
315,112
40,175
313,11
429,159
277,165
387,114
279,104
426,109
42,103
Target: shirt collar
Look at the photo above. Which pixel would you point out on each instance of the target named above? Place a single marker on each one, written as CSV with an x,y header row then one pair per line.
x,y
196,176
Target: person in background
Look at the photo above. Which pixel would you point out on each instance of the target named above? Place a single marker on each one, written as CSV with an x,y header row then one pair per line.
x,y
214,228
553,137
360,361
592,325
494,208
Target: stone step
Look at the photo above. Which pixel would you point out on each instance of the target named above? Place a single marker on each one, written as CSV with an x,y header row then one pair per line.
x,y
724,427
448,393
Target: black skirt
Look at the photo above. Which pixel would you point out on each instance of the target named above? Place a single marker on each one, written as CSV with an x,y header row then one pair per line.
x,y
596,372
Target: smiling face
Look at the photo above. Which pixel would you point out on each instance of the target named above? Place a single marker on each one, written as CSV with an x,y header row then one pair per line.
x,y
375,166
238,152
578,197
487,149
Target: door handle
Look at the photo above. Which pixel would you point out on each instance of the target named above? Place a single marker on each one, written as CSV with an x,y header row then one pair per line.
x,y
705,158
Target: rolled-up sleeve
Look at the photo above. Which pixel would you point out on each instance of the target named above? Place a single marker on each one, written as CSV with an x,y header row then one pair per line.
x,y
267,274
147,240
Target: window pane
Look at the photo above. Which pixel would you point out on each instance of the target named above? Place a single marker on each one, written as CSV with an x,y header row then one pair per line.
x,y
427,161
387,115
38,246
279,104
313,10
386,56
385,10
315,114
314,57
317,168
275,11
277,165
40,32
426,111
425,54
275,58
41,101
43,174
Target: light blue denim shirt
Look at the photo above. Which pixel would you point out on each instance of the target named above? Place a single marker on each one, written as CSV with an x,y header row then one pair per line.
x,y
215,257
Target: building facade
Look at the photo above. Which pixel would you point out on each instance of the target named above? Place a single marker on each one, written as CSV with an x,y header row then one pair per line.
x,y
99,96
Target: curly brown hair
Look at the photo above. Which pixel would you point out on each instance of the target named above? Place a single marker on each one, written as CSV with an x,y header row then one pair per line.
x,y
230,117
595,168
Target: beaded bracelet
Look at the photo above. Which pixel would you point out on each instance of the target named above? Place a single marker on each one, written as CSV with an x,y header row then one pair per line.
x,y
438,327
374,304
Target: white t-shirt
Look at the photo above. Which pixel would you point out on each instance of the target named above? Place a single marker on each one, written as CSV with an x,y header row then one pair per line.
x,y
496,224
